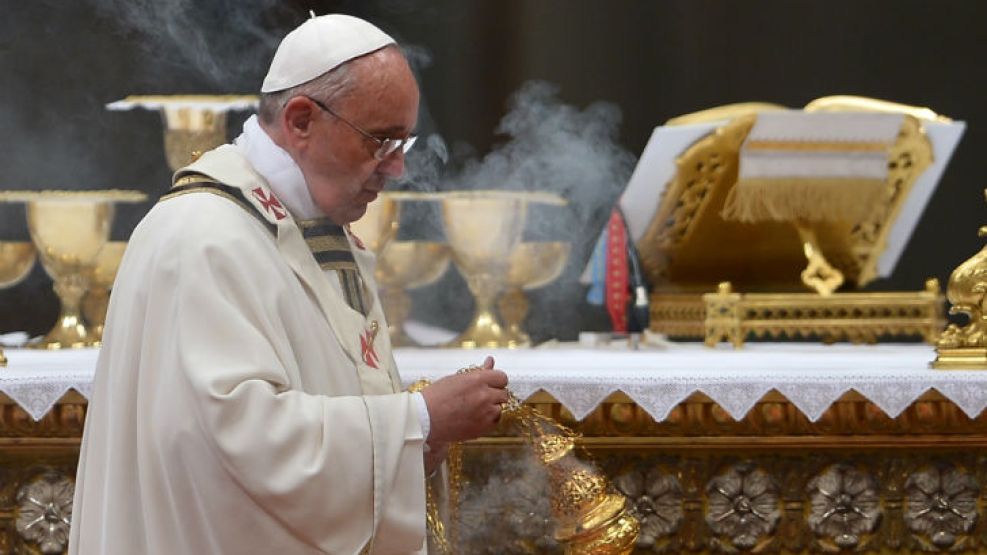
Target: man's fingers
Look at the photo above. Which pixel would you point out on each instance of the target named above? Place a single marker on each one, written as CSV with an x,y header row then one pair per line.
x,y
493,378
488,363
499,396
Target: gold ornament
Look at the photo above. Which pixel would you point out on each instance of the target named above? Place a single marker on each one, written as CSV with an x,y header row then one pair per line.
x,y
966,347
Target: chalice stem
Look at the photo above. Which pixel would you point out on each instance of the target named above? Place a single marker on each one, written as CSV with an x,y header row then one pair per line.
x,y
397,306
70,290
70,330
485,329
513,307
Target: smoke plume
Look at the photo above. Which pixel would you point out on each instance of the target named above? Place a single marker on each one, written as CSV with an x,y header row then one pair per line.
x,y
548,146
227,43
507,511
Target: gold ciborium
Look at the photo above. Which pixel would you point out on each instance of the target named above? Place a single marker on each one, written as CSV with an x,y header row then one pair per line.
x,y
68,229
483,228
104,271
193,123
16,261
532,265
407,265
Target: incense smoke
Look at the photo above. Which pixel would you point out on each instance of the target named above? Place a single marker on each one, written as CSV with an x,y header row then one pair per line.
x,y
226,43
549,146
508,510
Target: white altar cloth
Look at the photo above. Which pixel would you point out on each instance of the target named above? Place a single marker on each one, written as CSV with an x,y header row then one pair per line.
x,y
811,376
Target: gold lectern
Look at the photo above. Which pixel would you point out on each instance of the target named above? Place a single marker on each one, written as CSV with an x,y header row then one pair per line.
x,y
760,215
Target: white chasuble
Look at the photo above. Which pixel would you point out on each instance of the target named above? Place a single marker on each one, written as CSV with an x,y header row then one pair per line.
x,y
234,409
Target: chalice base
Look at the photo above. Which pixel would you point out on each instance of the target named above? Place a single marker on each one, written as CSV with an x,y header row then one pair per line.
x,y
517,337
96,336
483,332
94,305
69,333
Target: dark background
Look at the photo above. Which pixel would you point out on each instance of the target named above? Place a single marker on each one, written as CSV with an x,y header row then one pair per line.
x,y
61,62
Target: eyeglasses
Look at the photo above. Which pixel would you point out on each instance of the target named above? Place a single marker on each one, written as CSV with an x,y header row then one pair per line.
x,y
385,147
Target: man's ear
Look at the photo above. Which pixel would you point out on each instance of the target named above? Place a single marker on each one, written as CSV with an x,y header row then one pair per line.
x,y
297,118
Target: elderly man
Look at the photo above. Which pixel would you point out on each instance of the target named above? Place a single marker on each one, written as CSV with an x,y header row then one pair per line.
x,y
246,400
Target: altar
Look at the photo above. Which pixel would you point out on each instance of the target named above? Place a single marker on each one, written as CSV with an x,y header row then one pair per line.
x,y
774,448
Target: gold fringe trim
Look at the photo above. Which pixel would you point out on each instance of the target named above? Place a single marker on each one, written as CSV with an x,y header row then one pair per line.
x,y
817,146
800,199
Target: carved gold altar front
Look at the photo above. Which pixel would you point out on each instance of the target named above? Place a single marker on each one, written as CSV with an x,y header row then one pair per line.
x,y
774,482
37,475
699,482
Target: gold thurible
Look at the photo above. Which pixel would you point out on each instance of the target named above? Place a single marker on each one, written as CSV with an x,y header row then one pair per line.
x,y
591,517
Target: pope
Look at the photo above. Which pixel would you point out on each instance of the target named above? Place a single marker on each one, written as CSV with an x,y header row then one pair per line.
x,y
245,398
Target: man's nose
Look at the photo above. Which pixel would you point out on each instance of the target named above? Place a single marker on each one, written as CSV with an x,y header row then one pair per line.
x,y
393,165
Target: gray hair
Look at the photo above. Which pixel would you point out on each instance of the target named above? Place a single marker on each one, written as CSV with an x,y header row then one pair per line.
x,y
327,87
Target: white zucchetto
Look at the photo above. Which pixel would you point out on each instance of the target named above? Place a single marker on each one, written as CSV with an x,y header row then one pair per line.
x,y
320,44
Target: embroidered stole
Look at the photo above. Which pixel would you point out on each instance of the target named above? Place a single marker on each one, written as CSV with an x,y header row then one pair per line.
x,y
331,250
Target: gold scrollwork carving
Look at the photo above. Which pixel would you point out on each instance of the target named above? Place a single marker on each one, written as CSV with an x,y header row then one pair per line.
x,y
687,227
64,421
910,156
966,346
709,165
744,501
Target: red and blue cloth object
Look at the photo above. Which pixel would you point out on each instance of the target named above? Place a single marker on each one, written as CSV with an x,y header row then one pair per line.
x,y
615,274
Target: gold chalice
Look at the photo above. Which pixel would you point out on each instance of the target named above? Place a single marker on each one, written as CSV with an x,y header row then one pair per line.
x,y
104,271
483,229
68,229
532,265
401,265
407,265
16,261
192,123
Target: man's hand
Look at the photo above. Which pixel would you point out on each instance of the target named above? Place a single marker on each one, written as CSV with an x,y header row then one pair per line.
x,y
465,406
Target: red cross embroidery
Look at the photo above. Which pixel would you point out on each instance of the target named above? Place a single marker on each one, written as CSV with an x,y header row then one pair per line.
x,y
270,202
367,348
